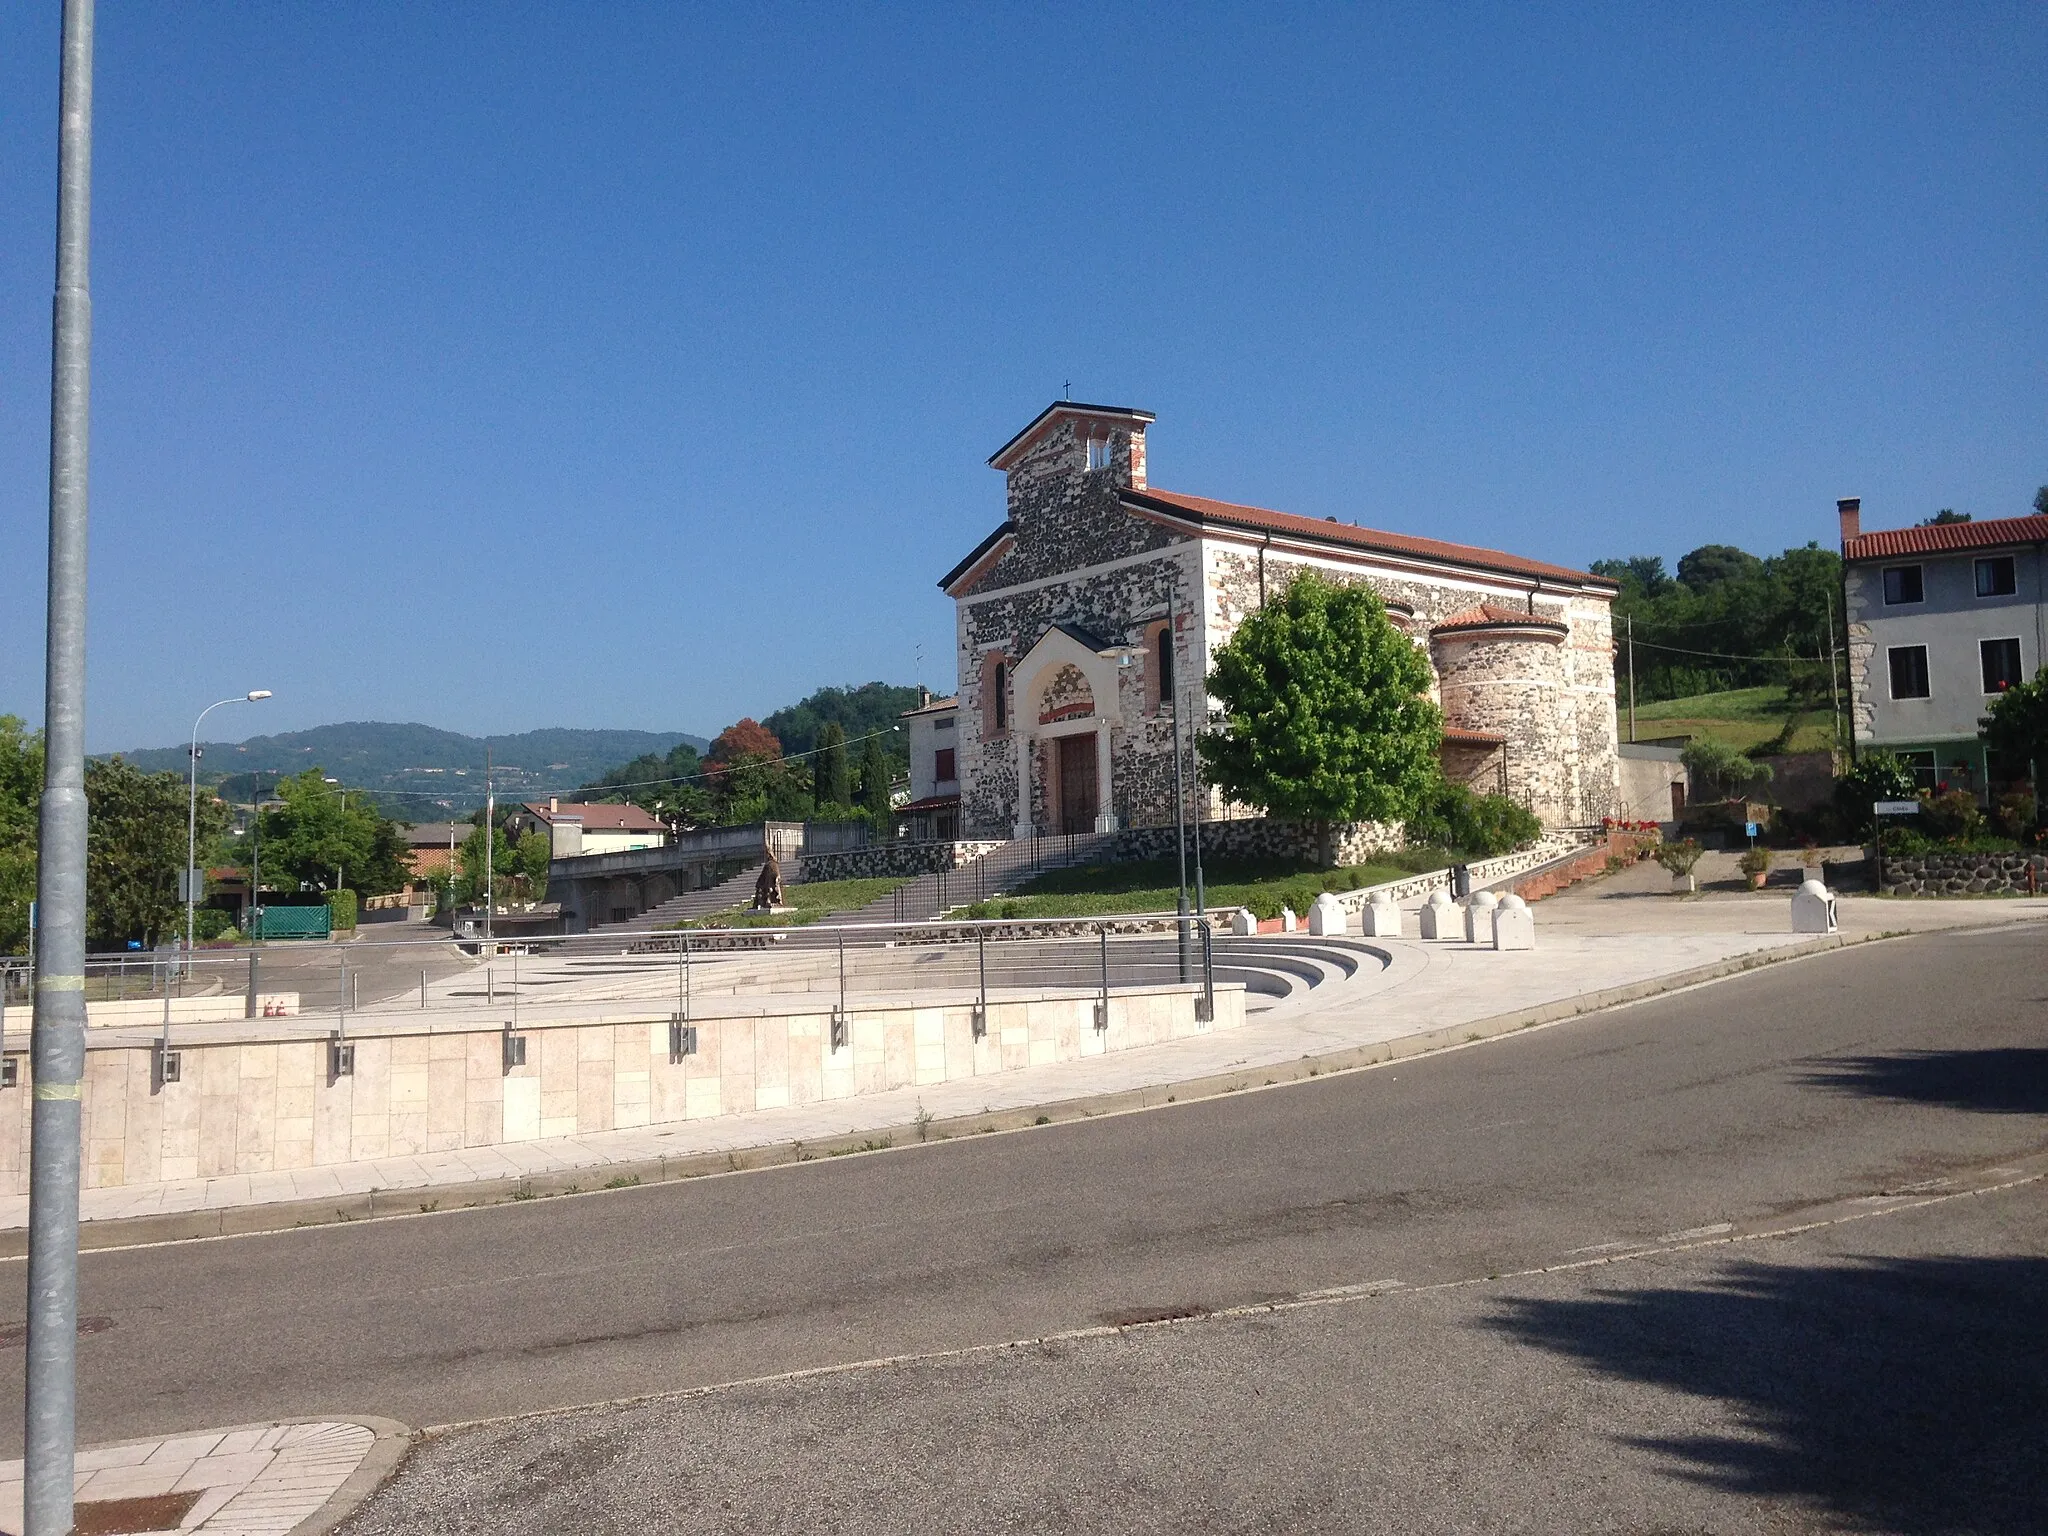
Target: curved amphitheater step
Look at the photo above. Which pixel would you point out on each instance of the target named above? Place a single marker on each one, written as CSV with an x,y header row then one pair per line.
x,y
1276,971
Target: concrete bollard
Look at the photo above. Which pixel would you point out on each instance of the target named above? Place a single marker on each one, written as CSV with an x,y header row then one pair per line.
x,y
1382,920
1813,909
1326,916
1514,925
1242,924
1288,921
1440,917
1479,917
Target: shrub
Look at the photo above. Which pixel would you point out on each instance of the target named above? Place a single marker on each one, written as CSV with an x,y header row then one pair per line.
x,y
2013,815
341,908
210,923
1679,857
1482,826
1876,776
1715,766
1951,815
1755,862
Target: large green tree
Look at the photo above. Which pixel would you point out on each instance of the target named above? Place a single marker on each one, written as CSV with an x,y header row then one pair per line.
x,y
21,791
134,848
1328,715
2017,729
326,836
874,787
832,780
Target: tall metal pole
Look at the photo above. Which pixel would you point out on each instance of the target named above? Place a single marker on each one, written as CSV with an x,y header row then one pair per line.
x,y
1195,784
58,1048
490,848
191,881
1180,810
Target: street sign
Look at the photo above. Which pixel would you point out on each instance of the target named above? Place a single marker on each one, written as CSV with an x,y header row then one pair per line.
x,y
192,885
1897,808
1749,829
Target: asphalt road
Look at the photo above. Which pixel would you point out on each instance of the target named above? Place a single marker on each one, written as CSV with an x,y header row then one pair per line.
x,y
1717,1384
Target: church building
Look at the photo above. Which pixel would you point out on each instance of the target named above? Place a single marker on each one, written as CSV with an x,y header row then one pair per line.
x,y
1099,597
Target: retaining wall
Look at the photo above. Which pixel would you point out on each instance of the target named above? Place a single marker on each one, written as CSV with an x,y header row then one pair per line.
x,y
1962,874
264,1102
884,860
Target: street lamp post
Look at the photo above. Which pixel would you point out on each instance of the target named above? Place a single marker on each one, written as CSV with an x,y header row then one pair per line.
x,y
192,812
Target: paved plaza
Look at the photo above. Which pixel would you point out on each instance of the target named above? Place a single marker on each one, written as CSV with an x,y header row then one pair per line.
x,y
1616,938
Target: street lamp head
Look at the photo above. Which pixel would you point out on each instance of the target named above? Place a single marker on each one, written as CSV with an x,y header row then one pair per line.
x,y
258,693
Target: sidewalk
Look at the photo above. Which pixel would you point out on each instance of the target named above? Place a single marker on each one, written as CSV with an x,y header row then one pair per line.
x,y
1615,938
255,1480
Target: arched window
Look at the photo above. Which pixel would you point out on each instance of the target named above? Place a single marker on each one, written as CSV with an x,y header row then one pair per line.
x,y
1162,664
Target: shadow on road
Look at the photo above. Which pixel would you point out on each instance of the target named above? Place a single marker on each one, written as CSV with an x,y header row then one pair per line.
x,y
2008,1081
1899,1394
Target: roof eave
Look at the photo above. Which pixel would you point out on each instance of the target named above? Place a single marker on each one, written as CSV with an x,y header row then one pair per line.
x,y
1125,412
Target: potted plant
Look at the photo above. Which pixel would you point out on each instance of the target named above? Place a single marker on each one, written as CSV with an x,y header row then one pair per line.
x,y
1757,865
1679,858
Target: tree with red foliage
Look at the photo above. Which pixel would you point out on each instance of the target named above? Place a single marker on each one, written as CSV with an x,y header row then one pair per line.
x,y
744,740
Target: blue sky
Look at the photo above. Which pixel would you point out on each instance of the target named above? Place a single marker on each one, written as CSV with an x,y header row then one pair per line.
x,y
636,365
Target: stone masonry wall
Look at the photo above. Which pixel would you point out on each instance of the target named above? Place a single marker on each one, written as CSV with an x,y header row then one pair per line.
x,y
1115,605
1563,735
880,861
1964,874
1262,837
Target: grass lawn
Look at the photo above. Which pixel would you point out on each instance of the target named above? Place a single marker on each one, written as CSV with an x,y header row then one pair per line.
x,y
812,900
1264,885
1741,717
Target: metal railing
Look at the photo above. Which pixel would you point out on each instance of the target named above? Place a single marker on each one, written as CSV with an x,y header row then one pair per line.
x,y
680,975
999,870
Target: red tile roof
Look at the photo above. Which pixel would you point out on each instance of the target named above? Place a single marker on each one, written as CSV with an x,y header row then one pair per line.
x,y
1330,531
1465,738
1944,538
1489,615
600,818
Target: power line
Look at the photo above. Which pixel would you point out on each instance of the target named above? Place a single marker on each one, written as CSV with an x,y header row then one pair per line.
x,y
1679,650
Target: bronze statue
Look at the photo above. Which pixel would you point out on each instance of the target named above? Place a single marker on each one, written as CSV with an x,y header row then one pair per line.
x,y
768,887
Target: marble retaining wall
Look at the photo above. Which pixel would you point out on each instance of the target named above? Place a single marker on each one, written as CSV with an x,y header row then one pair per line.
x,y
267,1104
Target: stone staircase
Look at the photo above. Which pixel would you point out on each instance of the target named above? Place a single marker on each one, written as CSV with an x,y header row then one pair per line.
x,y
735,892
1000,870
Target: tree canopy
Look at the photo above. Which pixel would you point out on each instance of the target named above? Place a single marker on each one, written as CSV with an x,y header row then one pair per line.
x,y
1328,715
327,837
21,791
2017,728
1728,622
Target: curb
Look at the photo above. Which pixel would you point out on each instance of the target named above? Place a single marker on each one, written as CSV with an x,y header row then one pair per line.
x,y
385,1204
393,1441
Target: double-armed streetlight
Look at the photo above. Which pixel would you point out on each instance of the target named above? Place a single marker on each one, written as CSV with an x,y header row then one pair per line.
x,y
192,811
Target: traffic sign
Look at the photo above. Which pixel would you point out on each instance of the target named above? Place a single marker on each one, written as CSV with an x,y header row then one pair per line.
x,y
1897,808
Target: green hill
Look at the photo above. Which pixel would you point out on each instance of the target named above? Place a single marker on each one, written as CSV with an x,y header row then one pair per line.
x,y
415,771
1744,718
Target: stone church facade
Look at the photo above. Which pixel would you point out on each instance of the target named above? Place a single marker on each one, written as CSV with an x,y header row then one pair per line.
x,y
1099,598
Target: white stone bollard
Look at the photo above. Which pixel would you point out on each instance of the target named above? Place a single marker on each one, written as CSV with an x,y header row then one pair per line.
x,y
1326,916
1382,920
1813,909
1514,925
1288,921
1242,924
1440,917
1479,917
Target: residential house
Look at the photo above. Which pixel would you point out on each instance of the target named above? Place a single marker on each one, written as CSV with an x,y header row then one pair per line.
x,y
1941,620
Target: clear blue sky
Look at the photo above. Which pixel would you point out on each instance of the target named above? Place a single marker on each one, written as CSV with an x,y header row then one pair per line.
x,y
635,365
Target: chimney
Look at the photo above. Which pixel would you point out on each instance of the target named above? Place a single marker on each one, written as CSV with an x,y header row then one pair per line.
x,y
1850,510
924,696
554,804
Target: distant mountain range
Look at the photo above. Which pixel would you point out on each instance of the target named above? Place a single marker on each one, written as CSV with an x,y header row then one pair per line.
x,y
416,771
